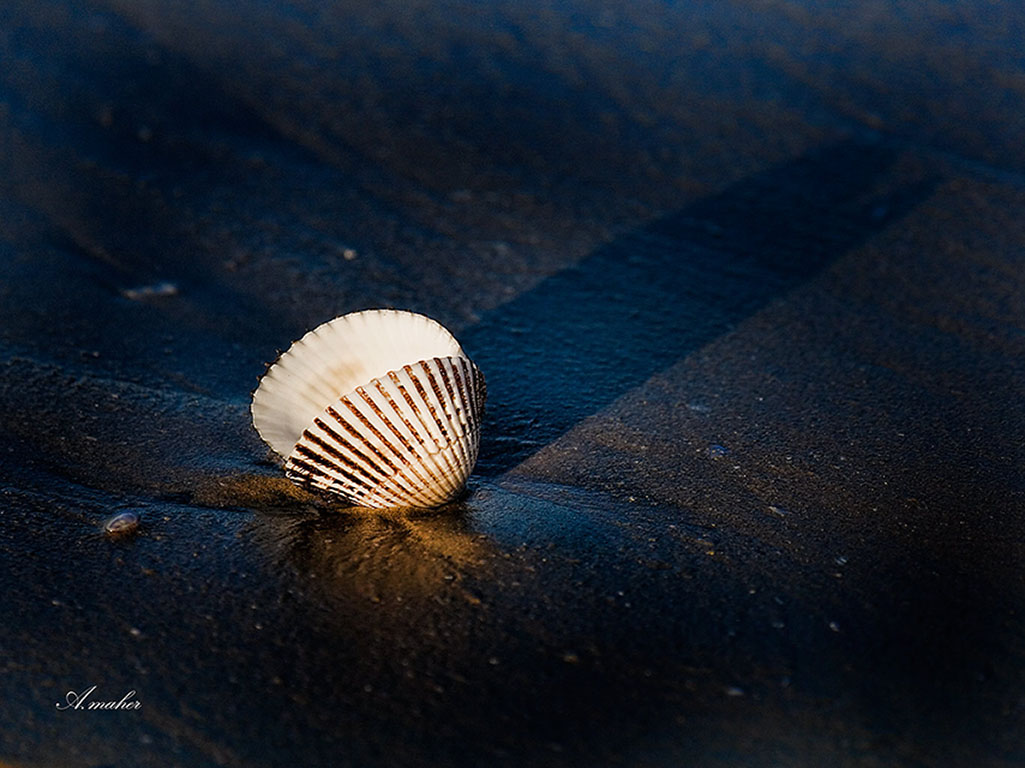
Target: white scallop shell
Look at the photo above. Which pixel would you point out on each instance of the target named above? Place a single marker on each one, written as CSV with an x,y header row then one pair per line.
x,y
382,407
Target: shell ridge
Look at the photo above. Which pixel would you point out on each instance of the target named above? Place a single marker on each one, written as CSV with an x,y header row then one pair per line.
x,y
333,359
366,451
421,393
401,456
418,412
429,425
395,430
371,481
331,466
418,409
351,453
464,383
429,369
396,474
447,372
426,438
378,401
456,454
414,432
299,367
333,461
461,447
425,442
316,476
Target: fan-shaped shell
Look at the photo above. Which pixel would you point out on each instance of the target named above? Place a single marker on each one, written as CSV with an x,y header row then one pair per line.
x,y
382,407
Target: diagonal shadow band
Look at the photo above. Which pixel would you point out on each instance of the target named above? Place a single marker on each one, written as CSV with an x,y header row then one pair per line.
x,y
637,305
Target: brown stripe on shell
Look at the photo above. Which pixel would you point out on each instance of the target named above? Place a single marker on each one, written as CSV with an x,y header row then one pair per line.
x,y
418,437
451,486
358,492
452,379
303,447
308,457
481,387
453,474
471,387
423,489
446,480
314,483
412,427
397,473
302,478
443,373
463,457
377,433
356,435
369,401
437,394
421,482
423,394
372,470
452,367
340,463
462,405
473,412
469,396
312,475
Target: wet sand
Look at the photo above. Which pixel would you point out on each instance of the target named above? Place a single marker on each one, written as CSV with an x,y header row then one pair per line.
x,y
747,281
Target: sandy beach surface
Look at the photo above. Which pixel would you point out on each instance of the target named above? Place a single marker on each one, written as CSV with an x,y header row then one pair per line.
x,y
746,280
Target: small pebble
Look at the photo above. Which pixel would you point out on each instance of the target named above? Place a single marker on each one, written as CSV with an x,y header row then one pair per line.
x,y
121,524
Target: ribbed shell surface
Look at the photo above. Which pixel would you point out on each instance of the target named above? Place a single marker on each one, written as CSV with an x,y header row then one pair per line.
x,y
407,438
333,359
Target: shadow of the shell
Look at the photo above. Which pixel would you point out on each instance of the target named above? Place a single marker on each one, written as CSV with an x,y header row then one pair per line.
x,y
654,295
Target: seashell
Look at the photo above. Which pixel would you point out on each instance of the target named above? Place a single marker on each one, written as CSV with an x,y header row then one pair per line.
x,y
382,407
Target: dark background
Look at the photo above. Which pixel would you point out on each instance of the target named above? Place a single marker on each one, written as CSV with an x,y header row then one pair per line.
x,y
746,279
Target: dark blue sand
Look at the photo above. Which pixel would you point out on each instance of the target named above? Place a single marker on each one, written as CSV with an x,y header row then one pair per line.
x,y
647,299
746,281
